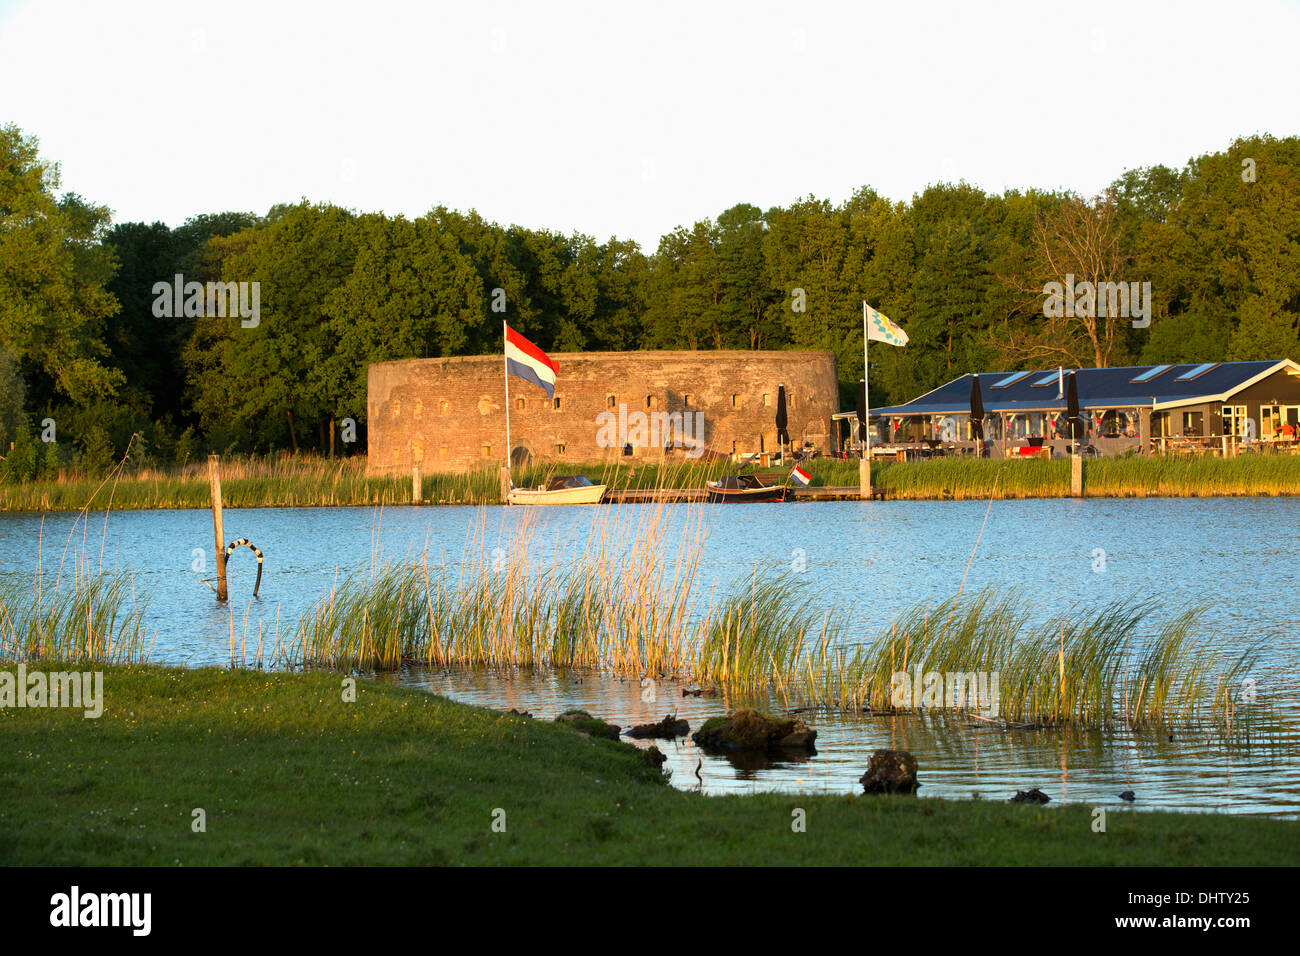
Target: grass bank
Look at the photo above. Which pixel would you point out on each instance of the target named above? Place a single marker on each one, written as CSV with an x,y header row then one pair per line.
x,y
286,772
318,482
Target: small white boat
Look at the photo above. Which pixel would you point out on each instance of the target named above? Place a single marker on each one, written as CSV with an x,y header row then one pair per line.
x,y
568,490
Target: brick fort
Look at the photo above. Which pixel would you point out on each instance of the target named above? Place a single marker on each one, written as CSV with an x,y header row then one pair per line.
x,y
448,414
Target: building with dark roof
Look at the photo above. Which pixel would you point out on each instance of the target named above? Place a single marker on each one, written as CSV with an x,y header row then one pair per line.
x,y
1149,408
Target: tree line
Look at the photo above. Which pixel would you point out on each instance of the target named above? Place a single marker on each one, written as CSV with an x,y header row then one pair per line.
x,y
85,353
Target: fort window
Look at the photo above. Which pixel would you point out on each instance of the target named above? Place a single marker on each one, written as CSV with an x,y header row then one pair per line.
x,y
521,403
686,400
444,408
612,400
765,402
397,410
487,451
557,403
559,448
627,449
651,401
442,452
735,401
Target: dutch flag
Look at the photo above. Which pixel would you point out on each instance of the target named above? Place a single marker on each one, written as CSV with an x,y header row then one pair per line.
x,y
530,363
801,476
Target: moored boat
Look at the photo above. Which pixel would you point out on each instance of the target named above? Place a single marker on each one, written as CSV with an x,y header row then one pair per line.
x,y
745,488
565,490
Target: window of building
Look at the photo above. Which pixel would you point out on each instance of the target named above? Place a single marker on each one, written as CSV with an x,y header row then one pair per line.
x,y
1192,423
397,410
1011,379
442,452
765,402
487,451
1234,420
735,401
627,450
686,400
559,448
651,401
557,403
521,403
444,407
611,400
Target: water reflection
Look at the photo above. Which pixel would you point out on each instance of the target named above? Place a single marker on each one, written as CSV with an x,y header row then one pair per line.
x,y
959,758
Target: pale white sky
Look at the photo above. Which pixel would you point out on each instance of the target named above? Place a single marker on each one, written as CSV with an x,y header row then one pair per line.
x,y
626,119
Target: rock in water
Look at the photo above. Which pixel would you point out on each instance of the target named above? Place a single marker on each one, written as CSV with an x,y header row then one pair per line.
x,y
890,771
666,729
749,730
1031,796
587,724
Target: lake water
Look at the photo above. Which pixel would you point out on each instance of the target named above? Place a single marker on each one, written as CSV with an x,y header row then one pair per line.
x,y
1239,557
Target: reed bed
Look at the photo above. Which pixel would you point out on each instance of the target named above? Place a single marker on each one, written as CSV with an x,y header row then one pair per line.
x,y
91,616
250,482
613,603
313,481
606,602
1139,476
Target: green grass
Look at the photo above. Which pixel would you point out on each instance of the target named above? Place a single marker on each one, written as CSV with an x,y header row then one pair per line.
x,y
287,773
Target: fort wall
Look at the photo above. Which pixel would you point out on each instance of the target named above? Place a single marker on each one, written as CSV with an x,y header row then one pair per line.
x,y
448,414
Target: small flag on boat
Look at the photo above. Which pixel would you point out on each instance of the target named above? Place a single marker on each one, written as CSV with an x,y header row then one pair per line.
x,y
880,329
801,476
527,361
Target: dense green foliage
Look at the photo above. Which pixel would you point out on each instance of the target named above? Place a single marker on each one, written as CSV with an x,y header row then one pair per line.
x,y
287,773
960,269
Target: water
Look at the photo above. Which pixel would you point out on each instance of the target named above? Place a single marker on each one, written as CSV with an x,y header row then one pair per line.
x,y
1238,557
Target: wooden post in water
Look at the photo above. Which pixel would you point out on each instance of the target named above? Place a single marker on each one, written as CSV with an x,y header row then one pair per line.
x,y
1076,476
416,486
505,485
214,481
864,479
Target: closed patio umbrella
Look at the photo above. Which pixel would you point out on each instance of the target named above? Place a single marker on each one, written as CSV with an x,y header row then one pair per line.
x,y
1072,409
782,420
976,410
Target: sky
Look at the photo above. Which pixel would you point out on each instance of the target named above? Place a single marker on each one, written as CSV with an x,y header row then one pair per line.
x,y
616,119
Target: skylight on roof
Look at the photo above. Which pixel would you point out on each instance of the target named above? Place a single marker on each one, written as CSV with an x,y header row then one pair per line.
x,y
1196,372
1050,379
1011,379
1151,373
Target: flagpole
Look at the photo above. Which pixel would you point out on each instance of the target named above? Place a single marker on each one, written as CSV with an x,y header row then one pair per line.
x,y
866,383
505,364
864,466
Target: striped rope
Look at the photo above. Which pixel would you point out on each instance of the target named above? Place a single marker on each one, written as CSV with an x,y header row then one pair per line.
x,y
230,549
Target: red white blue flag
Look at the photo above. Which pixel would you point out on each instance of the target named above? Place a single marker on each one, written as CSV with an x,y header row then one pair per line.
x,y
528,362
801,476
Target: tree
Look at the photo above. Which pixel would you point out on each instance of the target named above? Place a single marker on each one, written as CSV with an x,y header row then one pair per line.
x,y
53,276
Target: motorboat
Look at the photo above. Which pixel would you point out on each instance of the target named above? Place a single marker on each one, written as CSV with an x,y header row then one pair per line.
x,y
745,488
565,490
